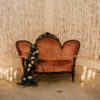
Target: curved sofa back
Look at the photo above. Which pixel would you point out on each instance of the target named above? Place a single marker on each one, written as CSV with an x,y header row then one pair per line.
x,y
23,48
49,49
70,49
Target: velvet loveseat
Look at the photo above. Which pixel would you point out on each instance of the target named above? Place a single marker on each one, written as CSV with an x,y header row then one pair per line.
x,y
54,57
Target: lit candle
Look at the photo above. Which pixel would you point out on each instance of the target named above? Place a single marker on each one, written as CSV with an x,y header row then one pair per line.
x,y
10,79
11,71
83,76
15,74
7,74
4,75
89,74
93,75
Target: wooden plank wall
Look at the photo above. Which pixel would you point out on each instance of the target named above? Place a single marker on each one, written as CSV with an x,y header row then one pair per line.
x,y
79,19
69,19
19,20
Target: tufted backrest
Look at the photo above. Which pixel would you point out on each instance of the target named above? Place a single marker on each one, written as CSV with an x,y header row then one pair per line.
x,y
49,49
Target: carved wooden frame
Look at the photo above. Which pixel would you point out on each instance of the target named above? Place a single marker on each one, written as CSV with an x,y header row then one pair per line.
x,y
47,35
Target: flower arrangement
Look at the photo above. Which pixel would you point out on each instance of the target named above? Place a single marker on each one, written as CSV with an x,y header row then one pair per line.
x,y
31,62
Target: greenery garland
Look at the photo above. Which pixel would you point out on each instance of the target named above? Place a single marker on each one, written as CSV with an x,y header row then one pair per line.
x,y
30,63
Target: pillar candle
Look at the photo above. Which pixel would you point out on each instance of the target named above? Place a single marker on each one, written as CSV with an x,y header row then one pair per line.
x,y
11,71
83,76
15,74
89,74
93,75
10,79
7,74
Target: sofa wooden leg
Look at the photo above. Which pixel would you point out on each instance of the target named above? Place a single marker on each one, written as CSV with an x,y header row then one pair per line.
x,y
73,74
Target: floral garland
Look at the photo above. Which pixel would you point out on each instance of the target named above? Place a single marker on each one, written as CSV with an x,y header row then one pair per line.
x,y
31,62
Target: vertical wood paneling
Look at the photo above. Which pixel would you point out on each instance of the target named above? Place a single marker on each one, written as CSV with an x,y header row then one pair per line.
x,y
79,19
68,19
19,19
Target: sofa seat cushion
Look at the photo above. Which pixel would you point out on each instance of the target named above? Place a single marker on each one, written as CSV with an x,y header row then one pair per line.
x,y
54,66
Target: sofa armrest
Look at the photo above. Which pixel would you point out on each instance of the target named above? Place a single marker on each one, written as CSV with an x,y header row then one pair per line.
x,y
72,59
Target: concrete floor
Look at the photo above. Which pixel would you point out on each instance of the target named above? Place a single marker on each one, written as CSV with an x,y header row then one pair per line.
x,y
53,87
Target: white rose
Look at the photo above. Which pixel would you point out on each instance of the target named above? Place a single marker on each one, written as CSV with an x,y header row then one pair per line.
x,y
29,77
29,65
32,62
33,53
37,51
32,57
28,69
24,78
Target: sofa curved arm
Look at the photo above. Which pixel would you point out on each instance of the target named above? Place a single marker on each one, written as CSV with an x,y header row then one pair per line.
x,y
74,59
